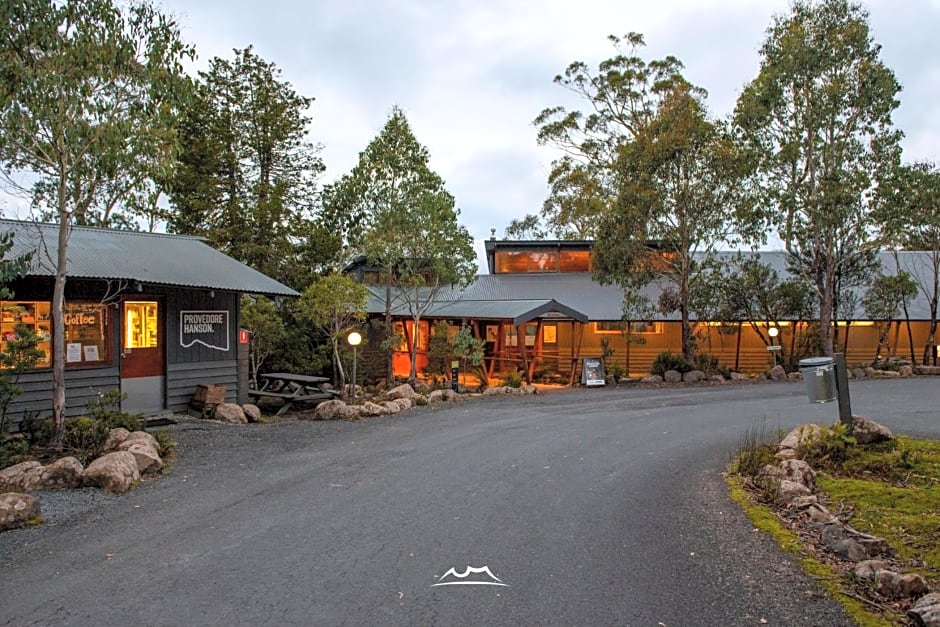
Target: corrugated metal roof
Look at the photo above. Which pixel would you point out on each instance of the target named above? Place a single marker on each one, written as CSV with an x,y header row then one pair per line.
x,y
605,302
151,258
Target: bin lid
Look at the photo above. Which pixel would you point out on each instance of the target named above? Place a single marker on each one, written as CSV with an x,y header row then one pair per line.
x,y
815,361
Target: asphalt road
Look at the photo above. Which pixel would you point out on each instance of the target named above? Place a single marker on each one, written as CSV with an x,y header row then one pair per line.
x,y
594,507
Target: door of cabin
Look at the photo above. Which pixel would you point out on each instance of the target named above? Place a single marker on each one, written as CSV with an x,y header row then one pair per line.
x,y
143,356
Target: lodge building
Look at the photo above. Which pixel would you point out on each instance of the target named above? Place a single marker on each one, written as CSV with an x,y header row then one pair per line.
x,y
539,310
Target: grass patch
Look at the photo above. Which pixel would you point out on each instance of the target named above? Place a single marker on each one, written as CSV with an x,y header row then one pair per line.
x,y
828,577
892,490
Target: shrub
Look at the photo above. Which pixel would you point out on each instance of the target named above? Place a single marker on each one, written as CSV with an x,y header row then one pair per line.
x,y
513,379
85,438
106,409
164,444
670,361
13,451
617,371
755,450
710,365
830,448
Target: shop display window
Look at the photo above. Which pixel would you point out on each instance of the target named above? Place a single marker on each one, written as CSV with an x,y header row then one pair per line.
x,y
87,330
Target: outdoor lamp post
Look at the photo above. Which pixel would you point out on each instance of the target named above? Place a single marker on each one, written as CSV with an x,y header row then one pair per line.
x,y
773,332
354,340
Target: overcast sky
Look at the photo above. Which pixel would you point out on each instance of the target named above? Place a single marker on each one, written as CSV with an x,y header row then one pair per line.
x,y
471,75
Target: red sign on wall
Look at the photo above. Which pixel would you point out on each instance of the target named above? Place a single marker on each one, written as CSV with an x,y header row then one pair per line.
x,y
243,336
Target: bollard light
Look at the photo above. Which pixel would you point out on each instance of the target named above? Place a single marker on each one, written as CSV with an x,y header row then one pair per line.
x,y
354,340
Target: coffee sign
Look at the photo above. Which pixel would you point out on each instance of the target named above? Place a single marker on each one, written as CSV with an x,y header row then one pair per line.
x,y
209,328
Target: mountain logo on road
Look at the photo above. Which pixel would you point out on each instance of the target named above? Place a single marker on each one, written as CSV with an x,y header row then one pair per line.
x,y
471,577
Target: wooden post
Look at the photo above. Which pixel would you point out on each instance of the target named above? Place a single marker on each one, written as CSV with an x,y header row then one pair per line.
x,y
842,389
520,335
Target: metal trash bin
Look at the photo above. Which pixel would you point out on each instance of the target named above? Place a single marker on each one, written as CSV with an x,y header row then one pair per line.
x,y
819,375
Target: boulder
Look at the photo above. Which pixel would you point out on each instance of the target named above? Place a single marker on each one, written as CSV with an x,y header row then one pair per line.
x,y
795,376
529,389
777,373
672,376
804,434
870,372
820,515
402,391
146,456
737,376
716,378
786,453
64,473
858,373
906,371
115,437
693,376
231,413
889,374
927,370
866,569
142,436
421,387
397,405
799,471
329,410
869,432
653,378
926,612
850,549
437,396
22,477
788,490
896,586
115,472
497,390
18,510
252,412
373,409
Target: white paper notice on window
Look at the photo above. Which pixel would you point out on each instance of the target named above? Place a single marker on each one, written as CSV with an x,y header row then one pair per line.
x,y
91,353
73,351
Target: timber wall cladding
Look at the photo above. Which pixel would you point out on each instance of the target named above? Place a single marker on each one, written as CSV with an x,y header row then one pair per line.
x,y
82,386
182,379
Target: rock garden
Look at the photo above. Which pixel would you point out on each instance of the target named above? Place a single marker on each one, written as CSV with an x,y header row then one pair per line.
x,y
859,506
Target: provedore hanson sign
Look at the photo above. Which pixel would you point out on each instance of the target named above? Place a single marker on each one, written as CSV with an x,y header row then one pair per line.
x,y
209,328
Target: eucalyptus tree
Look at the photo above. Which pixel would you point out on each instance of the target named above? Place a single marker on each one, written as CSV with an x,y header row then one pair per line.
x,y
909,218
334,304
394,210
678,182
817,119
90,92
884,300
620,97
246,178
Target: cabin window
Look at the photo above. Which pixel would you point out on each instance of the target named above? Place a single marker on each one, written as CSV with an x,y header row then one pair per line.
x,y
87,330
611,327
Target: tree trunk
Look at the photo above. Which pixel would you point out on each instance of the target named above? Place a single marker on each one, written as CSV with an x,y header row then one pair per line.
x,y
388,326
825,320
415,334
338,360
58,325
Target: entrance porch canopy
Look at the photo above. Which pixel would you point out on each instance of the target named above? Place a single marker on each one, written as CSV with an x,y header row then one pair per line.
x,y
518,311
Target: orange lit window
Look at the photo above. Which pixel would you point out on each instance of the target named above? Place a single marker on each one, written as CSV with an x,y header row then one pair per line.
x,y
610,327
574,261
140,325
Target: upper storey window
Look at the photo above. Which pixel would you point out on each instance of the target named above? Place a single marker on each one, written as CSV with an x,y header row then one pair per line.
x,y
542,261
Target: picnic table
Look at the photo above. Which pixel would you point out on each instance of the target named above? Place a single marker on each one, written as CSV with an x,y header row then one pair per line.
x,y
293,388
